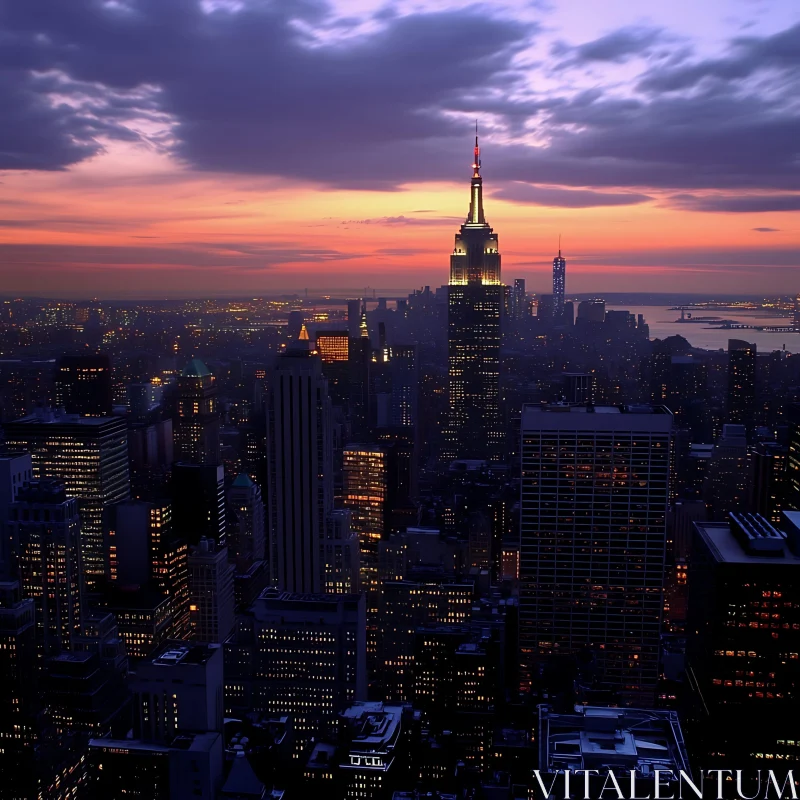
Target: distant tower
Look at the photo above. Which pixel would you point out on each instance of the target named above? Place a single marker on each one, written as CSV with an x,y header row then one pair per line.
x,y
475,302
559,284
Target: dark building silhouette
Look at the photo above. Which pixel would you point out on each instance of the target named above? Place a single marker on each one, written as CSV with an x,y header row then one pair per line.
x,y
198,502
769,476
83,385
475,304
559,289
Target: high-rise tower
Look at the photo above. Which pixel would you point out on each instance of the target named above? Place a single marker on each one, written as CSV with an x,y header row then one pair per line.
x,y
559,285
474,310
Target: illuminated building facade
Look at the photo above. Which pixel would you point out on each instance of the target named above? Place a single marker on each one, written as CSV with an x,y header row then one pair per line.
x,y
90,455
559,288
792,474
300,488
342,566
475,303
45,532
769,470
422,599
741,382
83,385
595,487
196,429
298,654
334,352
364,492
743,657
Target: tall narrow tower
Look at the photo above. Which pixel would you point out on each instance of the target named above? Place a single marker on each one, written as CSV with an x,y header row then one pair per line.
x,y
559,285
474,309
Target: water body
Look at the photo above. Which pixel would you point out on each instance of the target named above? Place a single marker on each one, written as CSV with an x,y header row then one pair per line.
x,y
662,324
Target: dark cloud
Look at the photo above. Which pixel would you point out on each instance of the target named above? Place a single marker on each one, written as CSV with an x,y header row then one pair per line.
x,y
767,230
279,88
738,204
565,198
748,56
616,47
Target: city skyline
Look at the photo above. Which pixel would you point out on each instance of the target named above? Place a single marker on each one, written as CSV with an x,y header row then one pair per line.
x,y
662,147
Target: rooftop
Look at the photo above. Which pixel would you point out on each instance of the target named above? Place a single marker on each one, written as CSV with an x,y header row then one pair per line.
x,y
600,738
586,416
748,545
174,653
196,369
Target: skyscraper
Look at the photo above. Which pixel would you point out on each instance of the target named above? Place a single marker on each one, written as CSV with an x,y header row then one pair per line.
x,y
741,383
45,533
211,605
198,502
197,421
519,300
300,444
475,301
83,385
90,455
246,512
559,285
742,654
595,486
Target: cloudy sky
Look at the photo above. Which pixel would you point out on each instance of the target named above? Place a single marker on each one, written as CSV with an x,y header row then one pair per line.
x,y
209,147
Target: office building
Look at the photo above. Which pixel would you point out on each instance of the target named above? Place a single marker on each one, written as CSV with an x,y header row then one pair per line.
x,y
427,597
19,704
176,752
300,491
374,752
742,641
246,538
792,474
595,487
591,311
90,455
16,470
198,502
45,531
741,403
559,288
475,302
769,472
334,352
342,562
298,654
726,486
196,427
404,392
83,385
211,601
579,387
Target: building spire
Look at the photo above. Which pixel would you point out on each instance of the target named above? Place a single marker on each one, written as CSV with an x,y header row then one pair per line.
x,y
476,193
559,245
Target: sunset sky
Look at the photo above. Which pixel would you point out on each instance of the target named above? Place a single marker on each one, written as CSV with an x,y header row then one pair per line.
x,y
154,148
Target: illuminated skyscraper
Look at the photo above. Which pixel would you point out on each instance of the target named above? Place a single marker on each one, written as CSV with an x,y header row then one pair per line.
x,y
300,491
90,455
475,302
595,485
334,351
559,285
741,383
197,422
45,533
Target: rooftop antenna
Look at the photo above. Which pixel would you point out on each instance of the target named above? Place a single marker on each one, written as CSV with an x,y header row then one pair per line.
x,y
559,245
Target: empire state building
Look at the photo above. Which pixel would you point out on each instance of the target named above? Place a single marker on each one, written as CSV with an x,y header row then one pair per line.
x,y
474,309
